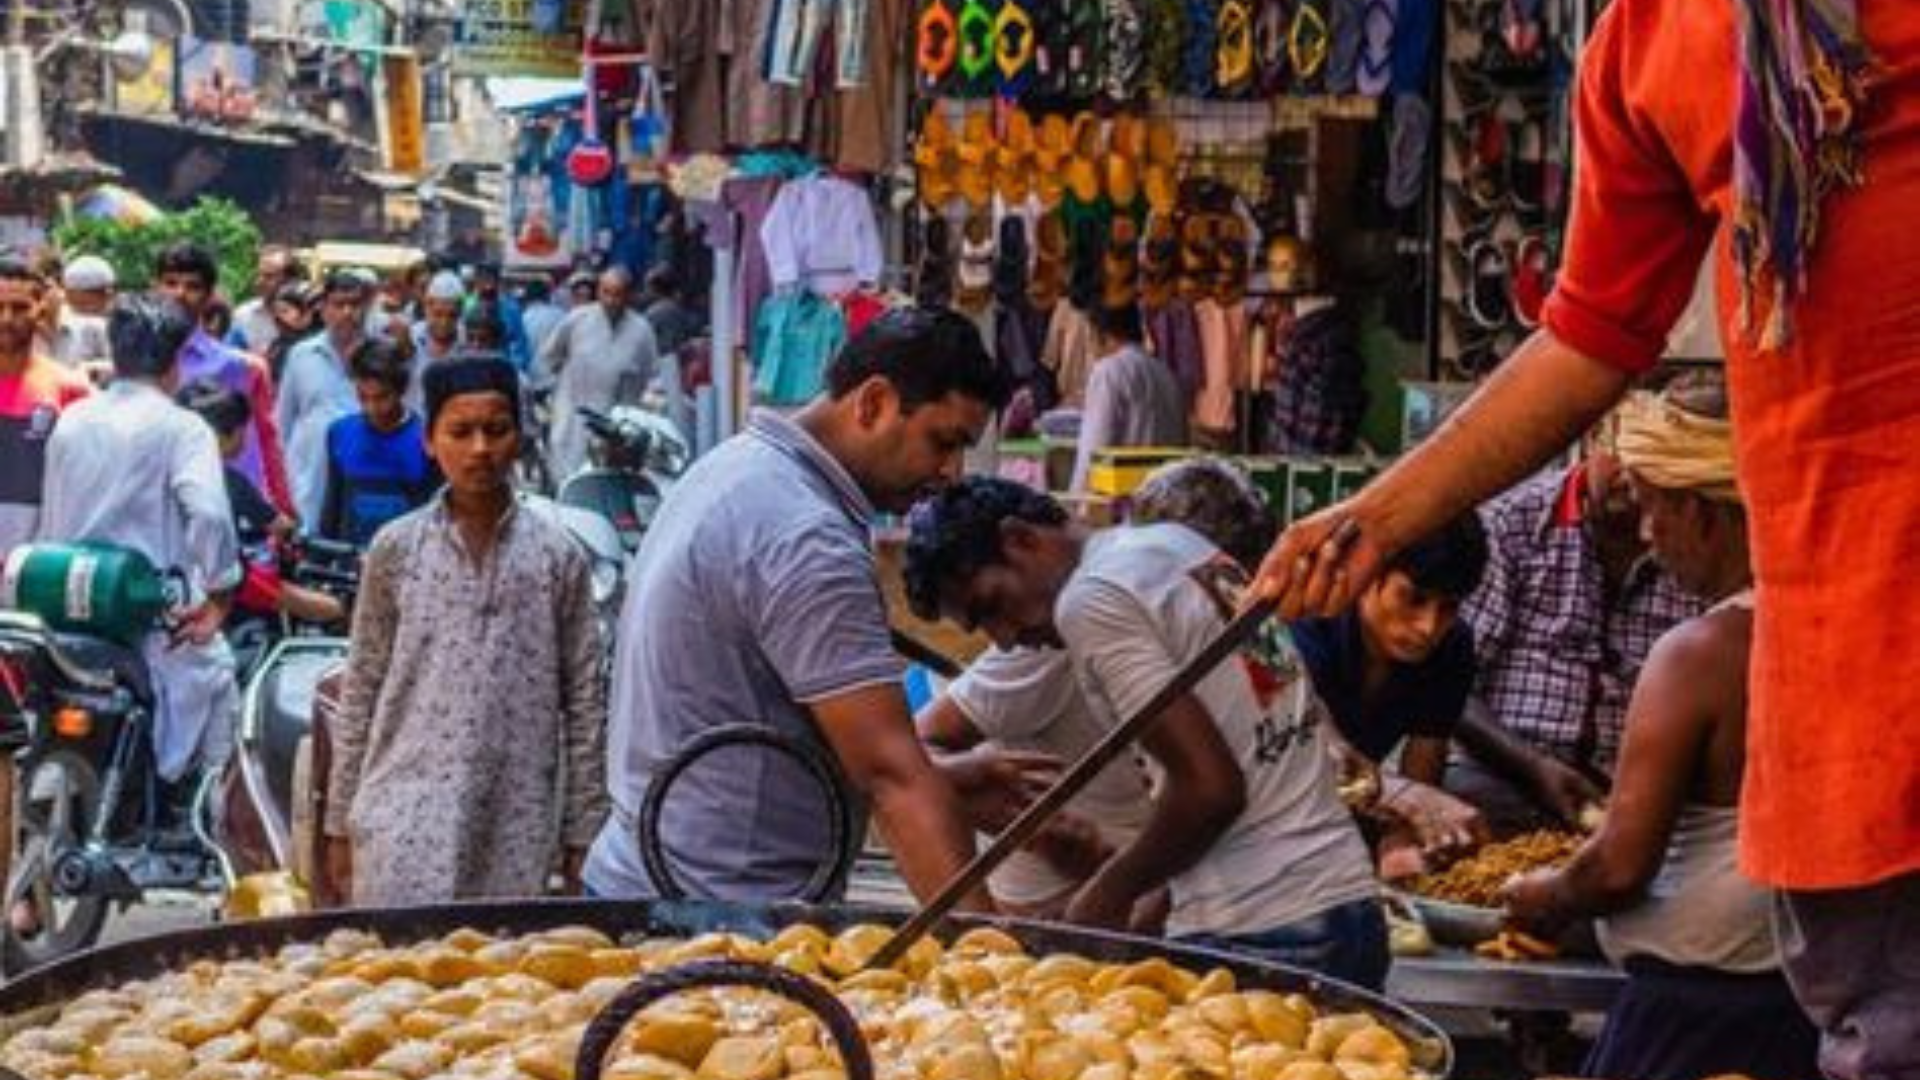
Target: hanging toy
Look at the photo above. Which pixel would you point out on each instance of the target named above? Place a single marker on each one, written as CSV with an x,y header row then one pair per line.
x,y
590,162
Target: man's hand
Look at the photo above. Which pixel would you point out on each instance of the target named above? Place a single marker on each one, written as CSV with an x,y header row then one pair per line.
x,y
1322,562
1072,845
199,625
1399,858
1533,902
337,890
1445,826
1098,904
1563,789
995,786
572,862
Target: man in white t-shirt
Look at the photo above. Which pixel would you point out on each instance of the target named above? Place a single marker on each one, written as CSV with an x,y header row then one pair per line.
x,y
1015,703
1245,825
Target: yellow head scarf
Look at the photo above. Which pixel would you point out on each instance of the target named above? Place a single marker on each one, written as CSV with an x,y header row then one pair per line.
x,y
1671,448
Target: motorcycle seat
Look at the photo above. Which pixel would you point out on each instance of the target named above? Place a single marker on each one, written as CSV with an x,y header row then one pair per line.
x,y
108,659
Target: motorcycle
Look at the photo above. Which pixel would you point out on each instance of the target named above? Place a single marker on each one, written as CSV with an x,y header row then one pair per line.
x,y
91,821
95,829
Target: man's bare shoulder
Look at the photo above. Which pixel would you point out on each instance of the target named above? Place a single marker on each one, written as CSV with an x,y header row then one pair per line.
x,y
1713,647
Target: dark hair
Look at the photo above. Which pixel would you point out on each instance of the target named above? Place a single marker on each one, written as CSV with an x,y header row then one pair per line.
x,y
925,353
1213,497
343,279
537,290
1122,322
662,281
484,316
381,361
14,268
225,410
953,535
1450,561
297,293
217,317
187,257
146,333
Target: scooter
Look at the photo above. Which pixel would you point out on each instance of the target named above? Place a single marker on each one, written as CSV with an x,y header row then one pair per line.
x,y
635,457
264,791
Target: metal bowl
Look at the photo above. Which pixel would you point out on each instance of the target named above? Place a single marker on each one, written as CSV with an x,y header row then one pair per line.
x,y
1463,925
32,997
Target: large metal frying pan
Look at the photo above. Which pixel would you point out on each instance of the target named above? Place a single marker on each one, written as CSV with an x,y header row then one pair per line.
x,y
30,999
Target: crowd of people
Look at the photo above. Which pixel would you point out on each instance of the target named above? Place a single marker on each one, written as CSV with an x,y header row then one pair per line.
x,y
205,437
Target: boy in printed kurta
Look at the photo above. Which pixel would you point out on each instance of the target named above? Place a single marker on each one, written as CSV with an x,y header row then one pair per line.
x,y
469,751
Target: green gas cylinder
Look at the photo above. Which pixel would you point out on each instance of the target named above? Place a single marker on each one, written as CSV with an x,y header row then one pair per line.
x,y
89,588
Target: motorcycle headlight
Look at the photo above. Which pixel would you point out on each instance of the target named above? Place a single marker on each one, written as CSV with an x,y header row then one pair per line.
x,y
606,581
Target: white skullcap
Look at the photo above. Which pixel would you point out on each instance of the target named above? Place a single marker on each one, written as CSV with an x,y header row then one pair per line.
x,y
88,273
446,285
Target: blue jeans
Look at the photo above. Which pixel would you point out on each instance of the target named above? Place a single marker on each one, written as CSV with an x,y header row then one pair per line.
x,y
1348,942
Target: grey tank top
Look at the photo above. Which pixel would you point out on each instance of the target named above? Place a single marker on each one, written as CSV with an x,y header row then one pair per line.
x,y
1700,911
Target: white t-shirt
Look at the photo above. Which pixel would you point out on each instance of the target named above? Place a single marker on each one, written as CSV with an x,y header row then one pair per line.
x,y
1144,602
1028,699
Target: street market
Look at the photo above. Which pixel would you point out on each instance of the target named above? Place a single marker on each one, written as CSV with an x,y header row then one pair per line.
x,y
958,540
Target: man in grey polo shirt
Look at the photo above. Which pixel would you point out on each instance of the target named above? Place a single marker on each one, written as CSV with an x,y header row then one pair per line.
x,y
754,600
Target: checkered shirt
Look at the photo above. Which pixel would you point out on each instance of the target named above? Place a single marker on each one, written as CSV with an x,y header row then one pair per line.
x,y
1557,663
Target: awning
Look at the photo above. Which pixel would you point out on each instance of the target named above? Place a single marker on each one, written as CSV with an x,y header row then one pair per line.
x,y
215,132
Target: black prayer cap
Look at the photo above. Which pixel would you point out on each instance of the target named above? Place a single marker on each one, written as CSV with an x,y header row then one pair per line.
x,y
449,379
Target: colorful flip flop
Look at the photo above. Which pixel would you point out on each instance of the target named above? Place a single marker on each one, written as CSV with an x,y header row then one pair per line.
x,y
1013,49
1013,159
1234,68
1487,291
935,160
1126,57
1532,279
1052,149
1053,41
1086,57
1166,30
1049,279
1376,49
1201,61
938,46
1346,32
1309,39
1271,19
974,281
976,46
1084,177
976,155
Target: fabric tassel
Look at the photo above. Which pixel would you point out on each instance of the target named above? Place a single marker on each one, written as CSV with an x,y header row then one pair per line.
x,y
1804,81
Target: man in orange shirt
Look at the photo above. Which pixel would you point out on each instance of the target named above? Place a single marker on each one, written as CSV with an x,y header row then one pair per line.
x,y
33,392
1749,127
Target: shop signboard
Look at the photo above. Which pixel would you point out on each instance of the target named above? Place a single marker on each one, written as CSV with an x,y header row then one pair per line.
x,y
406,116
519,38
149,93
217,81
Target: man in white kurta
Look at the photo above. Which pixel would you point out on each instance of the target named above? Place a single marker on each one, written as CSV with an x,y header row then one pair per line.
x,y
129,467
600,355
